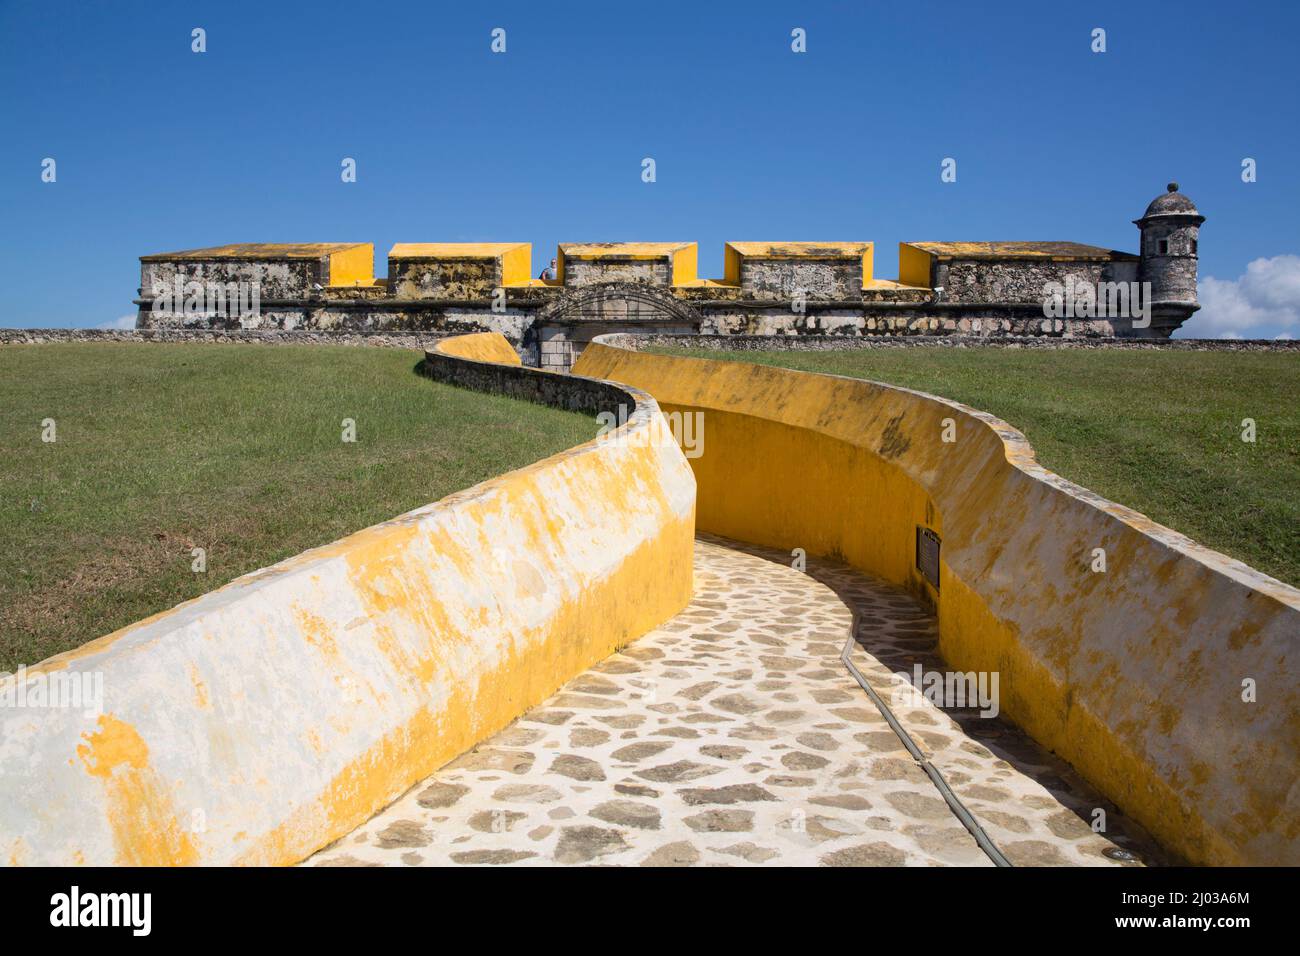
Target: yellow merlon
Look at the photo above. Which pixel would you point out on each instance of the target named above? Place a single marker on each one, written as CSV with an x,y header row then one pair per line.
x,y
515,258
737,252
455,250
682,257
1063,251
623,250
354,266
260,250
351,264
801,250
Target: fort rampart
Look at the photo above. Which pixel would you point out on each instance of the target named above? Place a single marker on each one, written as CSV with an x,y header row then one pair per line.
x,y
1137,676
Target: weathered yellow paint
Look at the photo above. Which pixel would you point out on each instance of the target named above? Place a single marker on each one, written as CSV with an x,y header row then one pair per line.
x,y
514,259
627,604
799,250
293,703
454,250
346,263
1052,251
145,827
263,250
698,283
99,645
622,250
481,347
1134,676
891,284
201,698
471,712
736,252
682,257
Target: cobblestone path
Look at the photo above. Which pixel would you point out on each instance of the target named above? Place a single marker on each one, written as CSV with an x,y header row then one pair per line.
x,y
734,735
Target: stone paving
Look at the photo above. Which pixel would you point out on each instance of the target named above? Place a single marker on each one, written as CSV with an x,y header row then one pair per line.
x,y
734,735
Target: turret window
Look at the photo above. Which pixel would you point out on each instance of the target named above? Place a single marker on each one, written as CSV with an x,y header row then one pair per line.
x,y
1162,247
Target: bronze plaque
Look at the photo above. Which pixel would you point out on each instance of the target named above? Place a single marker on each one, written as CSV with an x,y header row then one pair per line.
x,y
927,555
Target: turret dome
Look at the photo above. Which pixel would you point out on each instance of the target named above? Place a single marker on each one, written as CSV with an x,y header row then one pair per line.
x,y
1172,203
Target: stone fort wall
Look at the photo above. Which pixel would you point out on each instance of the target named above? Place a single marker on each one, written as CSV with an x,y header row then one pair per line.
x,y
789,289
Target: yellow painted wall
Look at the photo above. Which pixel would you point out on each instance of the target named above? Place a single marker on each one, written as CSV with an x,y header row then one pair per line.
x,y
481,347
1134,676
517,265
913,266
355,266
682,258
731,260
685,264
783,486
286,708
735,252
510,265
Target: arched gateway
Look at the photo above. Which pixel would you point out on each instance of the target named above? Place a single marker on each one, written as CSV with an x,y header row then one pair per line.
x,y
563,327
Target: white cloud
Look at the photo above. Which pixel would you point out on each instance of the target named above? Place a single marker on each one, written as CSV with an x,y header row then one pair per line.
x,y
124,322
1262,304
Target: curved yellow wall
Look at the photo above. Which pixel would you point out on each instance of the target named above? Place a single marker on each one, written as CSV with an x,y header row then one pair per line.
x,y
480,347
261,721
1134,676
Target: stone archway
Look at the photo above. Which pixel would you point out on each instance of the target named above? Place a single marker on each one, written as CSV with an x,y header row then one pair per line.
x,y
563,328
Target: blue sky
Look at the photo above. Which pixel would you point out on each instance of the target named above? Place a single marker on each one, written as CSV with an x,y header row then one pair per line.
x,y
161,148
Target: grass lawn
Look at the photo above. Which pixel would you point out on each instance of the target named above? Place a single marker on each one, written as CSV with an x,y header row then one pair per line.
x,y
236,449
1157,431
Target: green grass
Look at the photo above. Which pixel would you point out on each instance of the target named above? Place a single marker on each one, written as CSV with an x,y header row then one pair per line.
x,y
236,449
1159,432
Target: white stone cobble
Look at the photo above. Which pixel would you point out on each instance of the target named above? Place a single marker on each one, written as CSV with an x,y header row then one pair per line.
x,y
734,734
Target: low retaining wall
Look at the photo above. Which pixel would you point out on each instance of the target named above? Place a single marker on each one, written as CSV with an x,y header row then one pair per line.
x,y
397,340
494,366
858,343
732,342
261,721
1134,675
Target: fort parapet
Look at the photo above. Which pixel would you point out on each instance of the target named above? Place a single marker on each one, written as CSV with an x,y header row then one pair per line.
x,y
768,288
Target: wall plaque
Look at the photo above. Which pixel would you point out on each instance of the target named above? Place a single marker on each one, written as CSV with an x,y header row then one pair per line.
x,y
927,555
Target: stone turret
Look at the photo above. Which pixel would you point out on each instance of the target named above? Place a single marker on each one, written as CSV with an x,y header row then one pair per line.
x,y
1170,228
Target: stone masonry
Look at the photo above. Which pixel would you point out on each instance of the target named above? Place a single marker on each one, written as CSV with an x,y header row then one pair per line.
x,y
733,735
793,289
